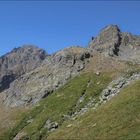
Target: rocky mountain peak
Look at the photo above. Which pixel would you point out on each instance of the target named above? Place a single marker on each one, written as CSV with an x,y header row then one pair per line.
x,y
19,61
112,42
110,28
26,49
108,40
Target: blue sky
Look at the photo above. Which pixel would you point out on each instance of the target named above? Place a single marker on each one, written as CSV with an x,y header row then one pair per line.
x,y
56,25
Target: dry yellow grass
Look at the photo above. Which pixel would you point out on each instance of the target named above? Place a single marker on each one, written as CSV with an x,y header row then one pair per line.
x,y
105,64
8,117
71,49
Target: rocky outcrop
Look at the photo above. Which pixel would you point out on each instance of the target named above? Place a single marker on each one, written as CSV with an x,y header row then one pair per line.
x,y
19,61
107,41
112,42
116,85
54,72
110,91
48,124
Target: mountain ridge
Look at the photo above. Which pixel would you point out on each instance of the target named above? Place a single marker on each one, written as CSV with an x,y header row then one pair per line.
x,y
57,68
72,89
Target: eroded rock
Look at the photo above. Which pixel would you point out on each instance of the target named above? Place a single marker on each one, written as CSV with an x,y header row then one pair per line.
x,y
112,42
19,61
54,72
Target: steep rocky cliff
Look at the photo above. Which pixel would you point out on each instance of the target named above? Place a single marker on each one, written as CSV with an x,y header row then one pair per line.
x,y
54,71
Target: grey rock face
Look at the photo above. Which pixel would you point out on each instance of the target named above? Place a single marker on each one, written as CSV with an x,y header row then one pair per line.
x,y
17,62
116,85
110,91
130,47
112,42
54,72
51,125
107,41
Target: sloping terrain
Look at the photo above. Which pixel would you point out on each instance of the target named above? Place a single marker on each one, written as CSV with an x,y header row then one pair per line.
x,y
71,112
53,110
75,93
9,117
54,72
117,119
19,61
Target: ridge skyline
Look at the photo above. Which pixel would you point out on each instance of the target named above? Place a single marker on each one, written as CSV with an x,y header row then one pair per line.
x,y
56,25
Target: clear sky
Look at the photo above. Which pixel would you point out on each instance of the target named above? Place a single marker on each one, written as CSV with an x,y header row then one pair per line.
x,y
55,25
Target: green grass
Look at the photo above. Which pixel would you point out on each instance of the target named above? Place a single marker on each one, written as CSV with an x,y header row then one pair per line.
x,y
63,101
118,119
132,68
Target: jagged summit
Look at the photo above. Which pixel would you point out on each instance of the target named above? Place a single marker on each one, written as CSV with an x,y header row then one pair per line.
x,y
108,40
18,61
111,27
112,42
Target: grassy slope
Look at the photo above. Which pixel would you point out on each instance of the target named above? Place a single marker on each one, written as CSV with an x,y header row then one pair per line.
x,y
9,117
117,119
61,102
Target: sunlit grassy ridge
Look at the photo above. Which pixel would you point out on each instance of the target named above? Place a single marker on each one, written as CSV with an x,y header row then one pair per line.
x,y
117,119
60,103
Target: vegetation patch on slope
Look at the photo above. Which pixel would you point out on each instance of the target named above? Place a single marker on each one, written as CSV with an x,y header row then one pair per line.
x,y
117,119
8,118
60,103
